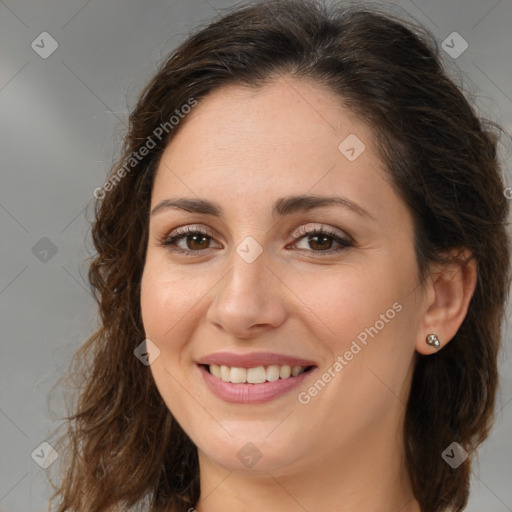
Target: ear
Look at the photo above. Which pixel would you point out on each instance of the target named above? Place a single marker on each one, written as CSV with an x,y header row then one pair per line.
x,y
449,290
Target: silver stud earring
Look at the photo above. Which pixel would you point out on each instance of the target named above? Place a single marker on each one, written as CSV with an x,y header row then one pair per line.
x,y
433,341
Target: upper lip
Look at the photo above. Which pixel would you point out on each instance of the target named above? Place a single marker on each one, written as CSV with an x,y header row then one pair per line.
x,y
253,359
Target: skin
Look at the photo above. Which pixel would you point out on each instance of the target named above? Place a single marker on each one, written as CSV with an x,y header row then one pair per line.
x,y
342,451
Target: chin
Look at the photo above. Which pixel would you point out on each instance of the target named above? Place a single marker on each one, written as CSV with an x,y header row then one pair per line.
x,y
250,454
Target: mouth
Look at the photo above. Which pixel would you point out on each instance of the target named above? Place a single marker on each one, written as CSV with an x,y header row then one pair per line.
x,y
254,385
255,375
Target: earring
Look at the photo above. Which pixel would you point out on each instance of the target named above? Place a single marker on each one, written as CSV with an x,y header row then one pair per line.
x,y
433,341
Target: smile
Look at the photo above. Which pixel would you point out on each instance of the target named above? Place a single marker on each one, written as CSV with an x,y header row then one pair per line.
x,y
252,385
256,375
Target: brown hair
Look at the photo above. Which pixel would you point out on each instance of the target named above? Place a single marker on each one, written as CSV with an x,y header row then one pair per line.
x,y
123,444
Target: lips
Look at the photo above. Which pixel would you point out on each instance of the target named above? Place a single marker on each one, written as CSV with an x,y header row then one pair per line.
x,y
251,360
236,390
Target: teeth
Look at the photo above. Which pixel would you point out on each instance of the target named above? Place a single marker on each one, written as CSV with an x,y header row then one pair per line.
x,y
238,375
256,375
224,373
285,372
296,371
215,370
273,372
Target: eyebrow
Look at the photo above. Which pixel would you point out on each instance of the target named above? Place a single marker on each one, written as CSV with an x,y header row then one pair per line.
x,y
283,206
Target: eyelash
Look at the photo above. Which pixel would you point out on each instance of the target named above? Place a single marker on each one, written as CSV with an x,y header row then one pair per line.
x,y
168,241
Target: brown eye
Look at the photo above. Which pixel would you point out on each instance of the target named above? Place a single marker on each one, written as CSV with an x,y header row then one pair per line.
x,y
195,242
188,240
319,240
322,242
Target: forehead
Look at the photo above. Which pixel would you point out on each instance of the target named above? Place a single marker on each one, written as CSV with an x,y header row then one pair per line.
x,y
285,117
287,137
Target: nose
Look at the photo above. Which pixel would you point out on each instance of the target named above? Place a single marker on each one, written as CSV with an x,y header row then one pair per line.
x,y
250,299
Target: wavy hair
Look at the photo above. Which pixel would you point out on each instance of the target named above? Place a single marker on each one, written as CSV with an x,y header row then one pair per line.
x,y
122,446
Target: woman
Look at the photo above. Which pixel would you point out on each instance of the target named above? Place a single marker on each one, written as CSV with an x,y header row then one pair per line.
x,y
302,268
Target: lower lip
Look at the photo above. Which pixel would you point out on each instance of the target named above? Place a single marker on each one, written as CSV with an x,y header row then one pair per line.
x,y
251,393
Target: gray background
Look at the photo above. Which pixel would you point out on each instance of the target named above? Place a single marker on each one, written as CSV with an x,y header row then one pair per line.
x,y
62,118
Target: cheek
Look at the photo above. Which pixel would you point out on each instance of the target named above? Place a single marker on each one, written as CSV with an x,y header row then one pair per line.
x,y
165,300
350,299
155,299
371,319
169,308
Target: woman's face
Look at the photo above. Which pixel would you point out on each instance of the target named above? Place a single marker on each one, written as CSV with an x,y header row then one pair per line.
x,y
253,176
